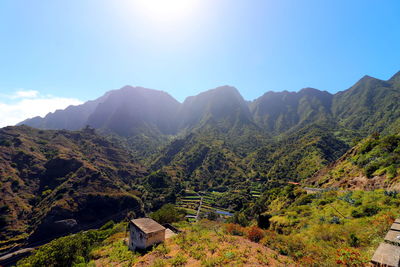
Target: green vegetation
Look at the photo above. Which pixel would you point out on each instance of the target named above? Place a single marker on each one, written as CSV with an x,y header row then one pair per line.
x,y
234,155
323,227
71,250
331,227
168,214
204,243
85,177
376,156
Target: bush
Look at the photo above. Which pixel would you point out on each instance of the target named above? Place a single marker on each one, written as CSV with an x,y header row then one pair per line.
x,y
3,221
263,220
354,241
167,214
108,225
179,260
391,171
161,249
212,216
234,229
370,169
350,257
335,220
239,218
255,234
5,142
66,251
365,211
61,252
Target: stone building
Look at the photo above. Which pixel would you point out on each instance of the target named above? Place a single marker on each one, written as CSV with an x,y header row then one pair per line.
x,y
144,233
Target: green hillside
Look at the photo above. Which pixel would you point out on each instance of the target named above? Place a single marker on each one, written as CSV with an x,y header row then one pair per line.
x,y
48,176
371,164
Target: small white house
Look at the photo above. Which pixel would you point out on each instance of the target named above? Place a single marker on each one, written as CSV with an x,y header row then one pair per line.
x,y
144,233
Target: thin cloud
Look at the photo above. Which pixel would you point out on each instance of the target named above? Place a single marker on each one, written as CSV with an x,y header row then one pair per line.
x,y
29,104
25,94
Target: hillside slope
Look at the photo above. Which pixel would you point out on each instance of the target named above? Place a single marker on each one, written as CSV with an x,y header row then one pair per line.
x,y
373,163
50,176
371,105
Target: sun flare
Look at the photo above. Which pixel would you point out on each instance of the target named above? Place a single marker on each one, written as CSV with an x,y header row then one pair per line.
x,y
166,10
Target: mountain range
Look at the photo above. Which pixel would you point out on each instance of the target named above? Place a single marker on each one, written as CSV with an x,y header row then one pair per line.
x,y
268,137
141,148
135,110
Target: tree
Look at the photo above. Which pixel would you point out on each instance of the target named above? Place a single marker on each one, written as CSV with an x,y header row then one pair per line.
x,y
167,214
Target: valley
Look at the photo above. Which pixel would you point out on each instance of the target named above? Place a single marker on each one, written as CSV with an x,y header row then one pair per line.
x,y
231,168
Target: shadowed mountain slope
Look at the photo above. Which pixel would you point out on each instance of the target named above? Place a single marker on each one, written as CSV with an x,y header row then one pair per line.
x,y
278,112
134,110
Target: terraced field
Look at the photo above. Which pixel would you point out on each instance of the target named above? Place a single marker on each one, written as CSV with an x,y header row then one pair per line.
x,y
255,194
191,203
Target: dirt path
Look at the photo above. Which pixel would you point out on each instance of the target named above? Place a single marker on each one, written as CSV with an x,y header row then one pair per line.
x,y
199,209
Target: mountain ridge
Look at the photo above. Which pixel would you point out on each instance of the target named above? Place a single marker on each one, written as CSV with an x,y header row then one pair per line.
x,y
275,112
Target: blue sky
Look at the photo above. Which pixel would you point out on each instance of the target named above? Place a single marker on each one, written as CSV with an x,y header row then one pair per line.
x,y
77,50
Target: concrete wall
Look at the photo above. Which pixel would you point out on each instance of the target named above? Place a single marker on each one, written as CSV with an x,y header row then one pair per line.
x,y
139,240
155,238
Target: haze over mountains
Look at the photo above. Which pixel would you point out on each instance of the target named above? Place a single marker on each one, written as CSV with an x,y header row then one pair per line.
x,y
278,135
133,110
147,148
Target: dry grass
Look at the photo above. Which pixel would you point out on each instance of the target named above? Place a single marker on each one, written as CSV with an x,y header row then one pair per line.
x,y
202,244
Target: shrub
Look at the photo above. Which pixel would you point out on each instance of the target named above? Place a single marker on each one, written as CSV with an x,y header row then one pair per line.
x,y
255,234
263,220
370,169
234,229
161,249
335,220
15,184
108,225
392,194
167,214
212,216
3,221
391,171
159,263
354,241
121,253
211,262
365,211
368,146
179,260
350,257
5,142
239,218
66,251
45,193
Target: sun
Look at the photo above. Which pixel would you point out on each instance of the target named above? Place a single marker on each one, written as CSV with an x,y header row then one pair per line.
x,y
166,10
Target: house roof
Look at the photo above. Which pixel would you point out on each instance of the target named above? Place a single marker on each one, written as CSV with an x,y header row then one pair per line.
x,y
147,225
